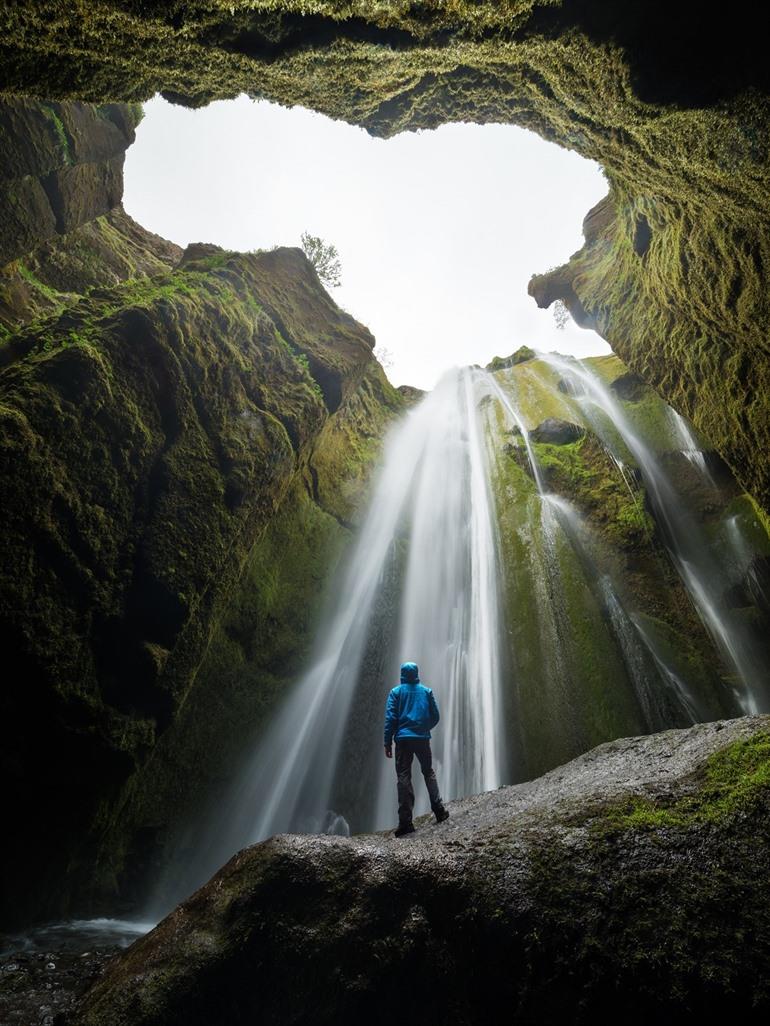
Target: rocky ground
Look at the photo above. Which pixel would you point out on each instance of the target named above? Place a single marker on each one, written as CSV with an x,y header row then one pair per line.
x,y
632,882
38,986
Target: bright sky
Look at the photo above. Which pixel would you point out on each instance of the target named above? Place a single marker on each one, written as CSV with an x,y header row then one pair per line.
x,y
438,232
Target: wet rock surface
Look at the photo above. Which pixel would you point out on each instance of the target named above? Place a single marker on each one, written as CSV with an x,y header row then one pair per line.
x,y
151,431
39,988
632,880
557,432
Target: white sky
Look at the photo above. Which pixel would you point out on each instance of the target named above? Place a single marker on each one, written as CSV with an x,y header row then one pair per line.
x,y
438,232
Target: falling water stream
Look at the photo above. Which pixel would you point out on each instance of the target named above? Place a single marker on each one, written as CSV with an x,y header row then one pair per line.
x,y
423,583
698,565
659,691
431,496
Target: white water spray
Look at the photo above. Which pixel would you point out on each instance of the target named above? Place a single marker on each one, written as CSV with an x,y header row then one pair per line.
x,y
431,495
689,445
449,616
689,551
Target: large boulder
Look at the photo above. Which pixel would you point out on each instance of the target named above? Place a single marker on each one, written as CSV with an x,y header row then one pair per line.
x,y
632,883
555,431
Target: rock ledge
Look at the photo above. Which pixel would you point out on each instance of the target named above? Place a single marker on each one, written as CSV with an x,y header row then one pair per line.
x,y
631,881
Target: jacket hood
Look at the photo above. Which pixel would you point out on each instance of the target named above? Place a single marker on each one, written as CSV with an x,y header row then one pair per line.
x,y
410,674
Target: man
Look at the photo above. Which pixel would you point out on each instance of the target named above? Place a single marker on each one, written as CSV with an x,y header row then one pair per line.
x,y
410,714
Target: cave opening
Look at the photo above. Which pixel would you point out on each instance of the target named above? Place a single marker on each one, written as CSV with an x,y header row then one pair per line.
x,y
438,231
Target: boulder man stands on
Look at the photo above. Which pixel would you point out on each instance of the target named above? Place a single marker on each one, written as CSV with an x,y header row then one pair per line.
x,y
410,714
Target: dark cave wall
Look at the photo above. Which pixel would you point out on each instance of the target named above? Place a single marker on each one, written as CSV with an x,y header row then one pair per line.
x,y
160,411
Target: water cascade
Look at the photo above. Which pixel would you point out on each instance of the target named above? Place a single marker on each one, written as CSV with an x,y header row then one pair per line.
x,y
690,447
519,605
561,547
449,611
430,498
698,563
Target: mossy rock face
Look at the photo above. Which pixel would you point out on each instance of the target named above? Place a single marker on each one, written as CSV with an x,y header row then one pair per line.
x,y
61,165
593,604
553,431
522,354
151,430
624,883
259,646
706,355
105,251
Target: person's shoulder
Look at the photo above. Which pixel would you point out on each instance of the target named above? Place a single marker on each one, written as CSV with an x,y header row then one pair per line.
x,y
426,688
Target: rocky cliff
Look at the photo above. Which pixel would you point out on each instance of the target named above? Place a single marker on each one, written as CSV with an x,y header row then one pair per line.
x,y
629,883
672,104
159,410
62,166
174,423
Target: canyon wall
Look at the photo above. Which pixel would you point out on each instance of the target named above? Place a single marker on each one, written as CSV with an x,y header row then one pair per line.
x,y
160,411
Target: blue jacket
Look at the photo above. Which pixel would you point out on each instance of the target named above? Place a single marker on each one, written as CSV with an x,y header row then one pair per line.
x,y
411,710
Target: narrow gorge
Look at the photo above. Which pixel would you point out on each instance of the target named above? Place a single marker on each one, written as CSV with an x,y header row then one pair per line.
x,y
225,529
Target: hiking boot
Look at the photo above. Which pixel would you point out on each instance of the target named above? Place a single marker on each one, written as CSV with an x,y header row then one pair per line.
x,y
404,828
441,814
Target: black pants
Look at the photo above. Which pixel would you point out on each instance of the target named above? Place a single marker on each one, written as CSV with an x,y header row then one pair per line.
x,y
405,750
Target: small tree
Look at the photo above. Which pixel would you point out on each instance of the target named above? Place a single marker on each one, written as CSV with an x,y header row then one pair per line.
x,y
324,257
560,314
384,356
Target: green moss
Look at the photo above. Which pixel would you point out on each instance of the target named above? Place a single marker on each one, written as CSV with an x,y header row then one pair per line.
x,y
150,434
735,780
683,324
261,642
559,649
522,355
40,286
304,363
677,280
61,132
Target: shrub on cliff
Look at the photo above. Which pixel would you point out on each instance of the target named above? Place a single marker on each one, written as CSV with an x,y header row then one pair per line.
x,y
324,257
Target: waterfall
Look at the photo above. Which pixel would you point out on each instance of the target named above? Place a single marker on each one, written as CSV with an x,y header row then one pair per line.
x,y
689,446
432,496
461,526
449,613
697,564
663,699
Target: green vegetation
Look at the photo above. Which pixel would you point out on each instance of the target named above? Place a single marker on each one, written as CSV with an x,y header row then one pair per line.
x,y
585,473
30,278
675,273
61,132
734,781
522,355
151,433
562,653
304,363
324,257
